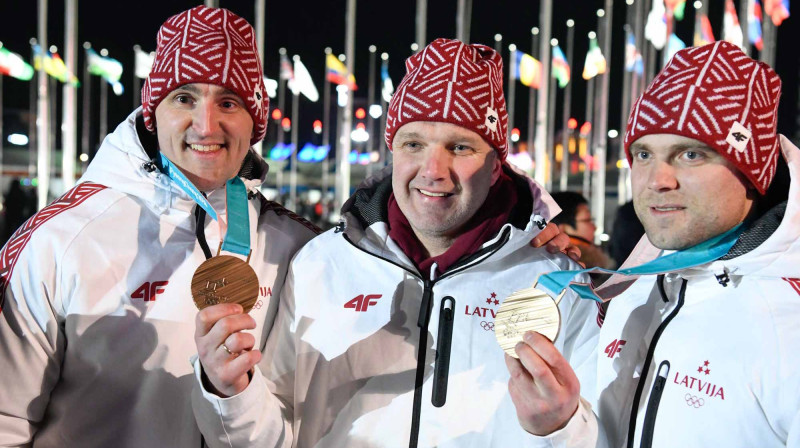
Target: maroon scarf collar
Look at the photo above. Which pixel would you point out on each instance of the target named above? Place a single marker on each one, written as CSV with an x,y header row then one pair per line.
x,y
484,225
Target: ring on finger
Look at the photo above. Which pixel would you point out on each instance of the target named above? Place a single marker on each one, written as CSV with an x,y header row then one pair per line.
x,y
224,347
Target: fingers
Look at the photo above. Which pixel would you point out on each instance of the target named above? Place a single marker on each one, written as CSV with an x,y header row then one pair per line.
x,y
547,234
575,253
559,243
546,364
207,317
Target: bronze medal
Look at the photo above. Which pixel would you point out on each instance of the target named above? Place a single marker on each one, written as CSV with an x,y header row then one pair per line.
x,y
529,309
224,279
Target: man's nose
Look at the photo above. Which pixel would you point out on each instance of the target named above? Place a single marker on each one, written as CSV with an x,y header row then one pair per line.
x,y
205,120
662,177
436,163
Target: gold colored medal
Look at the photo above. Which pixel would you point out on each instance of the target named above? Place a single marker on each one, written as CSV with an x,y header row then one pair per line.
x,y
530,309
225,279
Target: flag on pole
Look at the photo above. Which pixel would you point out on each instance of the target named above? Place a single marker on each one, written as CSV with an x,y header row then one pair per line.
x,y
388,87
302,83
272,87
754,18
633,59
337,73
778,10
143,62
595,63
12,64
286,68
560,67
673,46
53,65
731,30
705,34
107,68
527,69
656,29
678,8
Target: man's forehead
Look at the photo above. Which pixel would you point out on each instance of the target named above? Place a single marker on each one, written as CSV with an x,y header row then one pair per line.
x,y
200,87
435,129
667,142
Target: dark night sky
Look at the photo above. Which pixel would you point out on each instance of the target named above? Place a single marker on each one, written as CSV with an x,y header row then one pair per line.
x,y
307,27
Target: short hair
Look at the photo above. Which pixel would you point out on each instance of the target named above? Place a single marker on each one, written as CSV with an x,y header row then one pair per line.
x,y
569,202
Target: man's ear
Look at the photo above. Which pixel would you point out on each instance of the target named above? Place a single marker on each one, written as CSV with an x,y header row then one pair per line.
x,y
497,169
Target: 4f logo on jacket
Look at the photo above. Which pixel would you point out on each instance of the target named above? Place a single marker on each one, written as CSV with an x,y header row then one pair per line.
x,y
614,347
362,302
148,291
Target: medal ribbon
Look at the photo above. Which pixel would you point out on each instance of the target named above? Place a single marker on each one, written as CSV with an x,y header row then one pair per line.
x,y
702,253
237,238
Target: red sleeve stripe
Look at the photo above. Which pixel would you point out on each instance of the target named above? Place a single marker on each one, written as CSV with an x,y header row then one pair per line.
x,y
18,241
795,282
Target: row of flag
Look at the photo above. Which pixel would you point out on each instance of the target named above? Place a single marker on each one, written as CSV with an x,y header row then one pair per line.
x,y
528,70
14,65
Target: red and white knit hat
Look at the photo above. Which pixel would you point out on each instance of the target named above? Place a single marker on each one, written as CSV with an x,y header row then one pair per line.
x,y
213,46
721,97
452,82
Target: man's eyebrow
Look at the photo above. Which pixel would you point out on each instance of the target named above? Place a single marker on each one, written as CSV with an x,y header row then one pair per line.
x,y
408,134
189,88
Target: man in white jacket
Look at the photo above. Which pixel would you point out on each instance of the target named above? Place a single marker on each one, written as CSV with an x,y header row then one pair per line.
x,y
97,313
705,353
385,330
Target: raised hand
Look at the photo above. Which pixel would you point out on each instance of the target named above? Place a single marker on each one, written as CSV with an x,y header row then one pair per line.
x,y
226,352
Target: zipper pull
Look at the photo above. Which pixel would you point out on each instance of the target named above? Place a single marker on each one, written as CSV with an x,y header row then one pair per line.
x,y
442,368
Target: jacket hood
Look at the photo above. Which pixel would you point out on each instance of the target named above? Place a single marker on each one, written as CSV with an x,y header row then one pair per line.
x,y
123,163
770,247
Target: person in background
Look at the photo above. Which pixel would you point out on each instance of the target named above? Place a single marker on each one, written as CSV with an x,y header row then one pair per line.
x,y
576,221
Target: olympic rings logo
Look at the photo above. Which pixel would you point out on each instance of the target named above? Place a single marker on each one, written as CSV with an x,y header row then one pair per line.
x,y
488,326
693,401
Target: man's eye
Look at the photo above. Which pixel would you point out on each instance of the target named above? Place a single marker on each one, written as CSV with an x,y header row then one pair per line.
x,y
461,149
183,99
693,155
228,104
641,155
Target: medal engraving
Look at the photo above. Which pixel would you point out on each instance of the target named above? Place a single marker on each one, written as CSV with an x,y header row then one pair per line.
x,y
529,309
224,279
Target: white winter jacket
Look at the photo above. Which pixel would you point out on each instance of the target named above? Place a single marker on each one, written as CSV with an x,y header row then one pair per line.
x,y
341,365
97,320
707,356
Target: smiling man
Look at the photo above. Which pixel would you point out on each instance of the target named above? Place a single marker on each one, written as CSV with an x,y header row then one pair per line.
x,y
385,330
703,354
97,313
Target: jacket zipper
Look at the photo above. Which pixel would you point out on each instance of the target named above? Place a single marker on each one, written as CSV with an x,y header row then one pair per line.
x,y
649,358
442,369
425,309
652,405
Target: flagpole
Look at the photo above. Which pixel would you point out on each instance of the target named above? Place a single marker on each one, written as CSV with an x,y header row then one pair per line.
x,y
370,101
769,35
463,18
69,126
43,112
137,101
551,121
103,108
532,94
281,103
384,155
698,15
744,22
295,143
641,44
53,104
85,114
326,128
601,128
588,137
343,151
512,90
33,129
2,142
564,178
260,12
421,22
627,82
545,21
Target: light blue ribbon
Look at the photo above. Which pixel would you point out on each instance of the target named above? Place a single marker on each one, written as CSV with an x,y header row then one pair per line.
x,y
703,253
237,238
